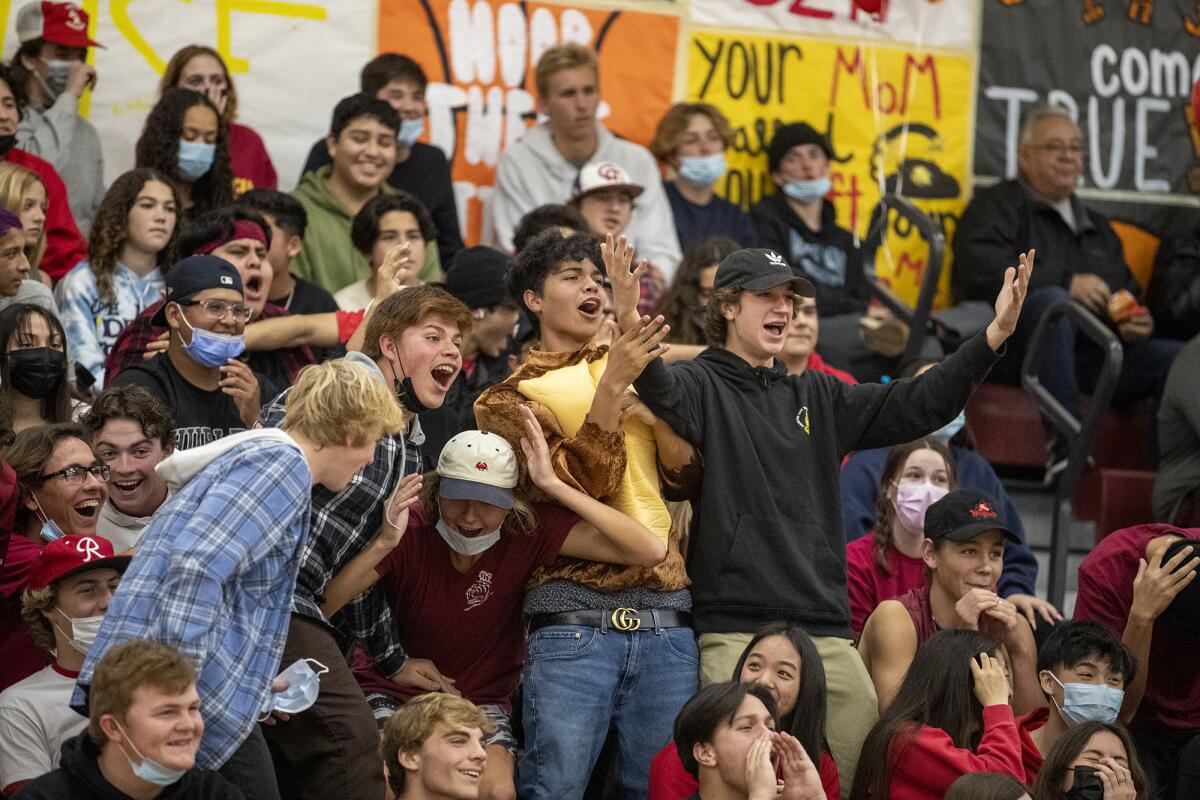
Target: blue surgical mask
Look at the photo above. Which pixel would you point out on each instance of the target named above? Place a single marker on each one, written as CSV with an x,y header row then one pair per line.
x,y
148,770
807,191
50,529
195,159
304,684
210,349
410,131
466,545
947,432
702,170
1088,702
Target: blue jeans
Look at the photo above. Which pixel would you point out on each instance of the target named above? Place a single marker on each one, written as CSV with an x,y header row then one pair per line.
x,y
581,681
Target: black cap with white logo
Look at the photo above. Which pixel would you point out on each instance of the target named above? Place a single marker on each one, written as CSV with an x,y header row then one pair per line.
x,y
193,275
759,269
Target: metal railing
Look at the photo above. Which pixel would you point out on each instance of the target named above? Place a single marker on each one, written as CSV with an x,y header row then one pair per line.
x,y
1078,432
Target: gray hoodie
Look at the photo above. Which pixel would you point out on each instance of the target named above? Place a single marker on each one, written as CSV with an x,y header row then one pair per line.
x,y
532,172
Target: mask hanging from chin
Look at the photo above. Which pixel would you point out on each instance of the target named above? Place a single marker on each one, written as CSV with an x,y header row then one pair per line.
x,y
406,393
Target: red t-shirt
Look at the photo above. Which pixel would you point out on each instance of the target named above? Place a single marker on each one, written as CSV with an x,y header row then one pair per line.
x,y
251,164
1172,698
1031,757
931,762
869,587
670,781
468,624
21,656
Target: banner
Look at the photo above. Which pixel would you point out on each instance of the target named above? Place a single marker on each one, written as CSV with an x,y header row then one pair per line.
x,y
1124,71
480,58
932,23
898,119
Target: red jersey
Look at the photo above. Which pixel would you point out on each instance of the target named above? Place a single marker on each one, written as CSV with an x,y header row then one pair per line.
x,y
1031,756
869,587
251,164
670,781
22,657
467,623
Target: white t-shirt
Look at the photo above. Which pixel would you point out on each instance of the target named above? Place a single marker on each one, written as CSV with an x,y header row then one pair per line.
x,y
353,297
119,528
35,720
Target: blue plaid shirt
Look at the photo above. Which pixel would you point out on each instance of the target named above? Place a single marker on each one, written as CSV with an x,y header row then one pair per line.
x,y
213,576
343,524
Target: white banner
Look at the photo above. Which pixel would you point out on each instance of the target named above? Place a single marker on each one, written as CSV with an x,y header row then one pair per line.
x,y
927,23
291,63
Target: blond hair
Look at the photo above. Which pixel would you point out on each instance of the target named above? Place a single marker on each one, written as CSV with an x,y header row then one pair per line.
x,y
33,603
561,57
129,667
413,724
670,130
338,402
14,181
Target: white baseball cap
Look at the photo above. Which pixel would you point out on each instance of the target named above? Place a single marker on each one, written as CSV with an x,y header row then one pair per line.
x,y
477,465
604,175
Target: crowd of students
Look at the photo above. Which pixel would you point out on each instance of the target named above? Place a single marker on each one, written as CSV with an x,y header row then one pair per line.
x,y
301,497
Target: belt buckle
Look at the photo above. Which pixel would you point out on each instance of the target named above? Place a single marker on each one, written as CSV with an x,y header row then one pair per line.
x,y
625,619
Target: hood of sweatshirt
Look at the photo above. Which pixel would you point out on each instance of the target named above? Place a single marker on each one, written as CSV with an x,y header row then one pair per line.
x,y
738,372
541,147
182,465
314,187
80,760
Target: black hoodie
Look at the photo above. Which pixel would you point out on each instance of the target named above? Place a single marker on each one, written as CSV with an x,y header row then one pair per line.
x,y
78,777
766,538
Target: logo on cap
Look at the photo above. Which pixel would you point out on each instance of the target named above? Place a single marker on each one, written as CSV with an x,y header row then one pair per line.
x,y
226,280
89,548
776,259
983,510
481,466
74,20
609,171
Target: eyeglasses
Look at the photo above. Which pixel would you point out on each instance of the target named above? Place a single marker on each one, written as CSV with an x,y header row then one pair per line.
x,y
1074,149
217,309
76,474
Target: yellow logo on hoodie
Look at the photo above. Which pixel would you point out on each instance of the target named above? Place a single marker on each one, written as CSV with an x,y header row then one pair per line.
x,y
802,419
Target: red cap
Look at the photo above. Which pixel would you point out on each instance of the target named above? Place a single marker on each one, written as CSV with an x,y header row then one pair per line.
x,y
72,555
60,23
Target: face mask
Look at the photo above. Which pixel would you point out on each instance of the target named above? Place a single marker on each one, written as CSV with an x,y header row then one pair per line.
x,y
7,142
1087,702
1087,786
702,170
85,630
210,349
406,393
149,771
195,159
947,431
50,529
303,687
464,545
410,131
57,72
807,191
913,500
36,371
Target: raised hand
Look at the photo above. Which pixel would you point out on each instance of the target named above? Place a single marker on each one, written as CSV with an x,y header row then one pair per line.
x,y
801,779
537,454
396,272
238,381
1156,585
760,773
626,282
1009,301
991,684
395,511
629,354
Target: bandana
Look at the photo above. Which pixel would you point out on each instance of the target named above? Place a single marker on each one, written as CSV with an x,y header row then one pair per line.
x,y
242,229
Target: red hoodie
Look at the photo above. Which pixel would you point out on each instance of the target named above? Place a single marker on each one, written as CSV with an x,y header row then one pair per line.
x,y
65,246
931,762
670,781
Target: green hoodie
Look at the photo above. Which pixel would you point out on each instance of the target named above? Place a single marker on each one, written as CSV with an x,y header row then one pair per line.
x,y
328,257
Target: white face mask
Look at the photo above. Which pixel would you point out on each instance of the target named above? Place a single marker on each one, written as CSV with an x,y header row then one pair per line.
x,y
466,545
149,770
85,629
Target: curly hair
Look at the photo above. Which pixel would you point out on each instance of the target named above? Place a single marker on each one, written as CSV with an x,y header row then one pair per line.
x,y
158,148
33,603
682,299
15,180
110,229
174,71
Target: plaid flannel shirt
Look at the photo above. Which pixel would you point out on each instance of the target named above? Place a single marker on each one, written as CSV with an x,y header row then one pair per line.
x,y
343,524
132,343
214,576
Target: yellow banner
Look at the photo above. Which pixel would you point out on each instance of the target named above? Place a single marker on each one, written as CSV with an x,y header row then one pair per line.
x,y
898,119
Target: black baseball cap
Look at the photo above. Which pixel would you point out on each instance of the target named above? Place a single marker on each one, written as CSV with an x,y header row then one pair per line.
x,y
192,275
758,269
477,276
962,515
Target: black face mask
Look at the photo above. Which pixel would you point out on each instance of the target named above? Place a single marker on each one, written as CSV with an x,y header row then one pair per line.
x,y
406,393
1088,785
36,372
7,142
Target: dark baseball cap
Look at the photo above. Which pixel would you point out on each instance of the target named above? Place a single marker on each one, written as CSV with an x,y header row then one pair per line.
x,y
758,269
962,515
192,275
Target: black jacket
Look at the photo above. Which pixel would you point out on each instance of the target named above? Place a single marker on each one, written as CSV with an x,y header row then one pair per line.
x,y
1005,220
766,538
1174,293
830,257
457,412
78,778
